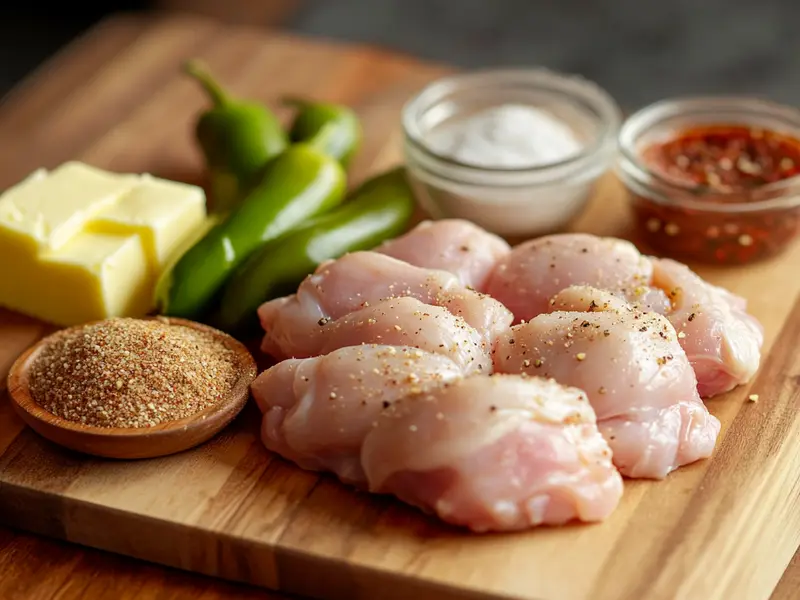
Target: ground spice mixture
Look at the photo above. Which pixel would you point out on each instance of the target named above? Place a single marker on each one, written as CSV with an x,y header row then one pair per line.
x,y
132,373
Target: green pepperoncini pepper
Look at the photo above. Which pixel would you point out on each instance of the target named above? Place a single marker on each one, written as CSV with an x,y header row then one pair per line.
x,y
331,128
237,137
378,210
299,184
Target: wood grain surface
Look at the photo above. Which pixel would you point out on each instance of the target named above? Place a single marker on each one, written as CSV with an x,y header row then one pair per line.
x,y
723,528
37,569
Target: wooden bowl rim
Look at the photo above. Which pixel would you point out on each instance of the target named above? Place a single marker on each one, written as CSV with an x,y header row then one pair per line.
x,y
18,384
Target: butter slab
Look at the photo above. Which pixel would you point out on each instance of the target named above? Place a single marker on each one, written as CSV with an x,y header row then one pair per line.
x,y
80,244
51,208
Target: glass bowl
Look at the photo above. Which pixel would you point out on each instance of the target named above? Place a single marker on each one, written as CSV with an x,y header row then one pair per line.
x,y
511,202
705,224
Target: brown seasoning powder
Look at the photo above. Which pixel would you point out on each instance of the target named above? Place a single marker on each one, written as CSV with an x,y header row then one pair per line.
x,y
132,373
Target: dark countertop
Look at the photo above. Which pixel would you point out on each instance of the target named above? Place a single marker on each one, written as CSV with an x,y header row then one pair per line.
x,y
640,50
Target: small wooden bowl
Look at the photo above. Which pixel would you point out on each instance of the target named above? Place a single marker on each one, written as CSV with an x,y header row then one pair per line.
x,y
131,443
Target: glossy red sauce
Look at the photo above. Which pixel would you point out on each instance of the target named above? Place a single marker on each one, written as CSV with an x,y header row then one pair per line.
x,y
726,165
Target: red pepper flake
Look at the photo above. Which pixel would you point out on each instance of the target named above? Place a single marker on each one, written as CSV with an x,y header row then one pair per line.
x,y
726,158
722,164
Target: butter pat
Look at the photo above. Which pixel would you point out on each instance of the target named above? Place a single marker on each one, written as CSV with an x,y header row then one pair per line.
x,y
52,208
160,212
80,244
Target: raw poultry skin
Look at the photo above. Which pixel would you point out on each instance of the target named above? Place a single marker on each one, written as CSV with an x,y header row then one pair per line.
x,y
296,325
722,342
633,369
528,277
453,245
317,411
498,453
408,322
388,388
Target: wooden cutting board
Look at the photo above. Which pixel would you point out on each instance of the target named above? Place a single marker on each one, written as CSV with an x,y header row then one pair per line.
x,y
724,528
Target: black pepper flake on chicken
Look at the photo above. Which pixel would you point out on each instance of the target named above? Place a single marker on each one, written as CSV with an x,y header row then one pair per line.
x,y
617,372
607,261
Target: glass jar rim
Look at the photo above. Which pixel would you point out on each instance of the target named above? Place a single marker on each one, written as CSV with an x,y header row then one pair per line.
x,y
584,93
640,122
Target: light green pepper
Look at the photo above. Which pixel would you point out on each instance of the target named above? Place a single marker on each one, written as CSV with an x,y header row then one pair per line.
x,y
297,185
378,210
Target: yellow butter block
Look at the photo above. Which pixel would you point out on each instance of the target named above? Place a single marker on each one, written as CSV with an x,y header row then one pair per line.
x,y
94,276
162,212
53,207
80,244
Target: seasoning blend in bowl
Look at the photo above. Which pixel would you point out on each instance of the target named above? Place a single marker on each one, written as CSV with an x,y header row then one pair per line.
x,y
714,179
515,151
132,388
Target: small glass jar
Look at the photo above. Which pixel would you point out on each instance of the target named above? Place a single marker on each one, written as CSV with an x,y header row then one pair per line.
x,y
700,223
516,203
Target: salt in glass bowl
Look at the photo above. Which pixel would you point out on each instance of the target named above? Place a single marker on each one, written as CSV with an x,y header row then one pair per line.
x,y
516,203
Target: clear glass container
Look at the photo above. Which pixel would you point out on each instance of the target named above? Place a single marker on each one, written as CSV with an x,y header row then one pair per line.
x,y
697,223
516,203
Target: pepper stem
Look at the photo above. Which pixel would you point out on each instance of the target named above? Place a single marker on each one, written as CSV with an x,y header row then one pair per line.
x,y
196,70
295,102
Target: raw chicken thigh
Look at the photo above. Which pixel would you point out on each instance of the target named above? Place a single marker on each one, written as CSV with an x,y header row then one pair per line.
x,y
297,325
317,411
633,369
532,273
400,378
494,453
408,322
722,341
453,245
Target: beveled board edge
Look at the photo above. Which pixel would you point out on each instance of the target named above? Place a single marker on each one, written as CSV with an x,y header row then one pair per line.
x,y
235,559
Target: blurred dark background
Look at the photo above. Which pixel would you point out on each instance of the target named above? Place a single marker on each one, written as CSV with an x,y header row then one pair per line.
x,y
640,50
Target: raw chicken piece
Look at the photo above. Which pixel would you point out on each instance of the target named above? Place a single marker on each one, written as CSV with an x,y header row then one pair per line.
x,y
633,369
317,411
722,341
495,453
453,245
585,298
297,325
532,273
409,322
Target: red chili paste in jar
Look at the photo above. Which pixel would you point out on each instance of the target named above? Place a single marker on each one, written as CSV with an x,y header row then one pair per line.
x,y
721,164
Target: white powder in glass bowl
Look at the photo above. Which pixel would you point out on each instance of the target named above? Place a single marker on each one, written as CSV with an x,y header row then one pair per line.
x,y
508,136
